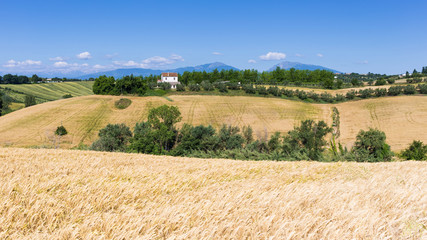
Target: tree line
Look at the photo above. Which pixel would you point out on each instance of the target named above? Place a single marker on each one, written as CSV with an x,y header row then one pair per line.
x,y
159,135
22,79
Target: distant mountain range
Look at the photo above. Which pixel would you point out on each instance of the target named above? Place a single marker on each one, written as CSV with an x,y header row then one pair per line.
x,y
118,73
145,72
301,66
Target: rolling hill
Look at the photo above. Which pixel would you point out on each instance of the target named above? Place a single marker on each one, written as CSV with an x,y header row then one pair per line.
x,y
48,91
301,66
402,118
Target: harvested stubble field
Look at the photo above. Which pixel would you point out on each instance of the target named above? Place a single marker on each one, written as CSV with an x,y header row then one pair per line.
x,y
402,118
64,194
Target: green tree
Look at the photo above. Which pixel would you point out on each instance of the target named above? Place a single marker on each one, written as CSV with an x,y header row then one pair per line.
x,y
308,138
30,100
103,85
371,146
60,131
113,138
416,151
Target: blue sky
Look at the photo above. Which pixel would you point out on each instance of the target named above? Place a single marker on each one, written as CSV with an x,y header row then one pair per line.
x,y
350,36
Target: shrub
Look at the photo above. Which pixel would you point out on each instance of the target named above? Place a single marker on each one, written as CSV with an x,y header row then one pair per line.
x,y
61,131
366,93
326,97
275,91
249,89
221,87
416,151
371,146
67,96
380,92
113,138
391,81
395,90
30,100
380,82
350,95
194,87
233,86
122,103
165,86
261,90
207,86
423,88
409,90
180,87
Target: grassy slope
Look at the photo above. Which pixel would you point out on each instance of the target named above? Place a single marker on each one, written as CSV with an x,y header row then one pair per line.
x,y
50,91
47,194
402,118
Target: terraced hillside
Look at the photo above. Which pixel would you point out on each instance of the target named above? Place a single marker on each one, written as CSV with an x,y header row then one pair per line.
x,y
63,194
49,91
402,118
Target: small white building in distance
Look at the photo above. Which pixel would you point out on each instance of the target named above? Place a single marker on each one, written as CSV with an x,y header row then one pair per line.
x,y
171,78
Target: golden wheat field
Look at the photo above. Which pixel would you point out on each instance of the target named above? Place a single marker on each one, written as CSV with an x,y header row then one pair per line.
x,y
65,194
403,118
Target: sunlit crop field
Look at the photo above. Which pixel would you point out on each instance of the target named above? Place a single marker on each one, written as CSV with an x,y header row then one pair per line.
x,y
64,194
50,91
402,118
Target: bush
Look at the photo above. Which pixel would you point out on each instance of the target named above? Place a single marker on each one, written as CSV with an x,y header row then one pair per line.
x,y
350,95
30,100
391,81
275,91
67,96
194,87
249,89
233,86
371,146
221,87
180,87
380,82
165,86
416,151
61,131
122,103
262,90
395,90
207,86
409,90
423,88
113,138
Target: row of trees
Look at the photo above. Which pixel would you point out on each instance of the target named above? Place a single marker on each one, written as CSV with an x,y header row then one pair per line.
x,y
309,96
22,79
159,135
127,85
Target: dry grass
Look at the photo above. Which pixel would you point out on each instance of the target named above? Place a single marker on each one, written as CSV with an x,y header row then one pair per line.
x,y
402,118
63,194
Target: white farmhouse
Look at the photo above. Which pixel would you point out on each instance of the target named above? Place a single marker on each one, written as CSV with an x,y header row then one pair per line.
x,y
171,78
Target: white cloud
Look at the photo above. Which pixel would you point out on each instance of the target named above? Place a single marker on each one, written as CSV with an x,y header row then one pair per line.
x,y
84,55
251,61
12,63
111,56
60,64
57,59
152,62
217,53
298,55
320,55
273,56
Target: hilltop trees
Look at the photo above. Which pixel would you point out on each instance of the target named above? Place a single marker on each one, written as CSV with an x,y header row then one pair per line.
x,y
127,85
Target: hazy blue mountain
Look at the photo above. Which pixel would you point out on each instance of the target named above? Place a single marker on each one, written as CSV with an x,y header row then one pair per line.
x,y
300,66
145,72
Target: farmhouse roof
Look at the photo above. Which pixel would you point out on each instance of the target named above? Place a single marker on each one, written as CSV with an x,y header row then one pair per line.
x,y
168,74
